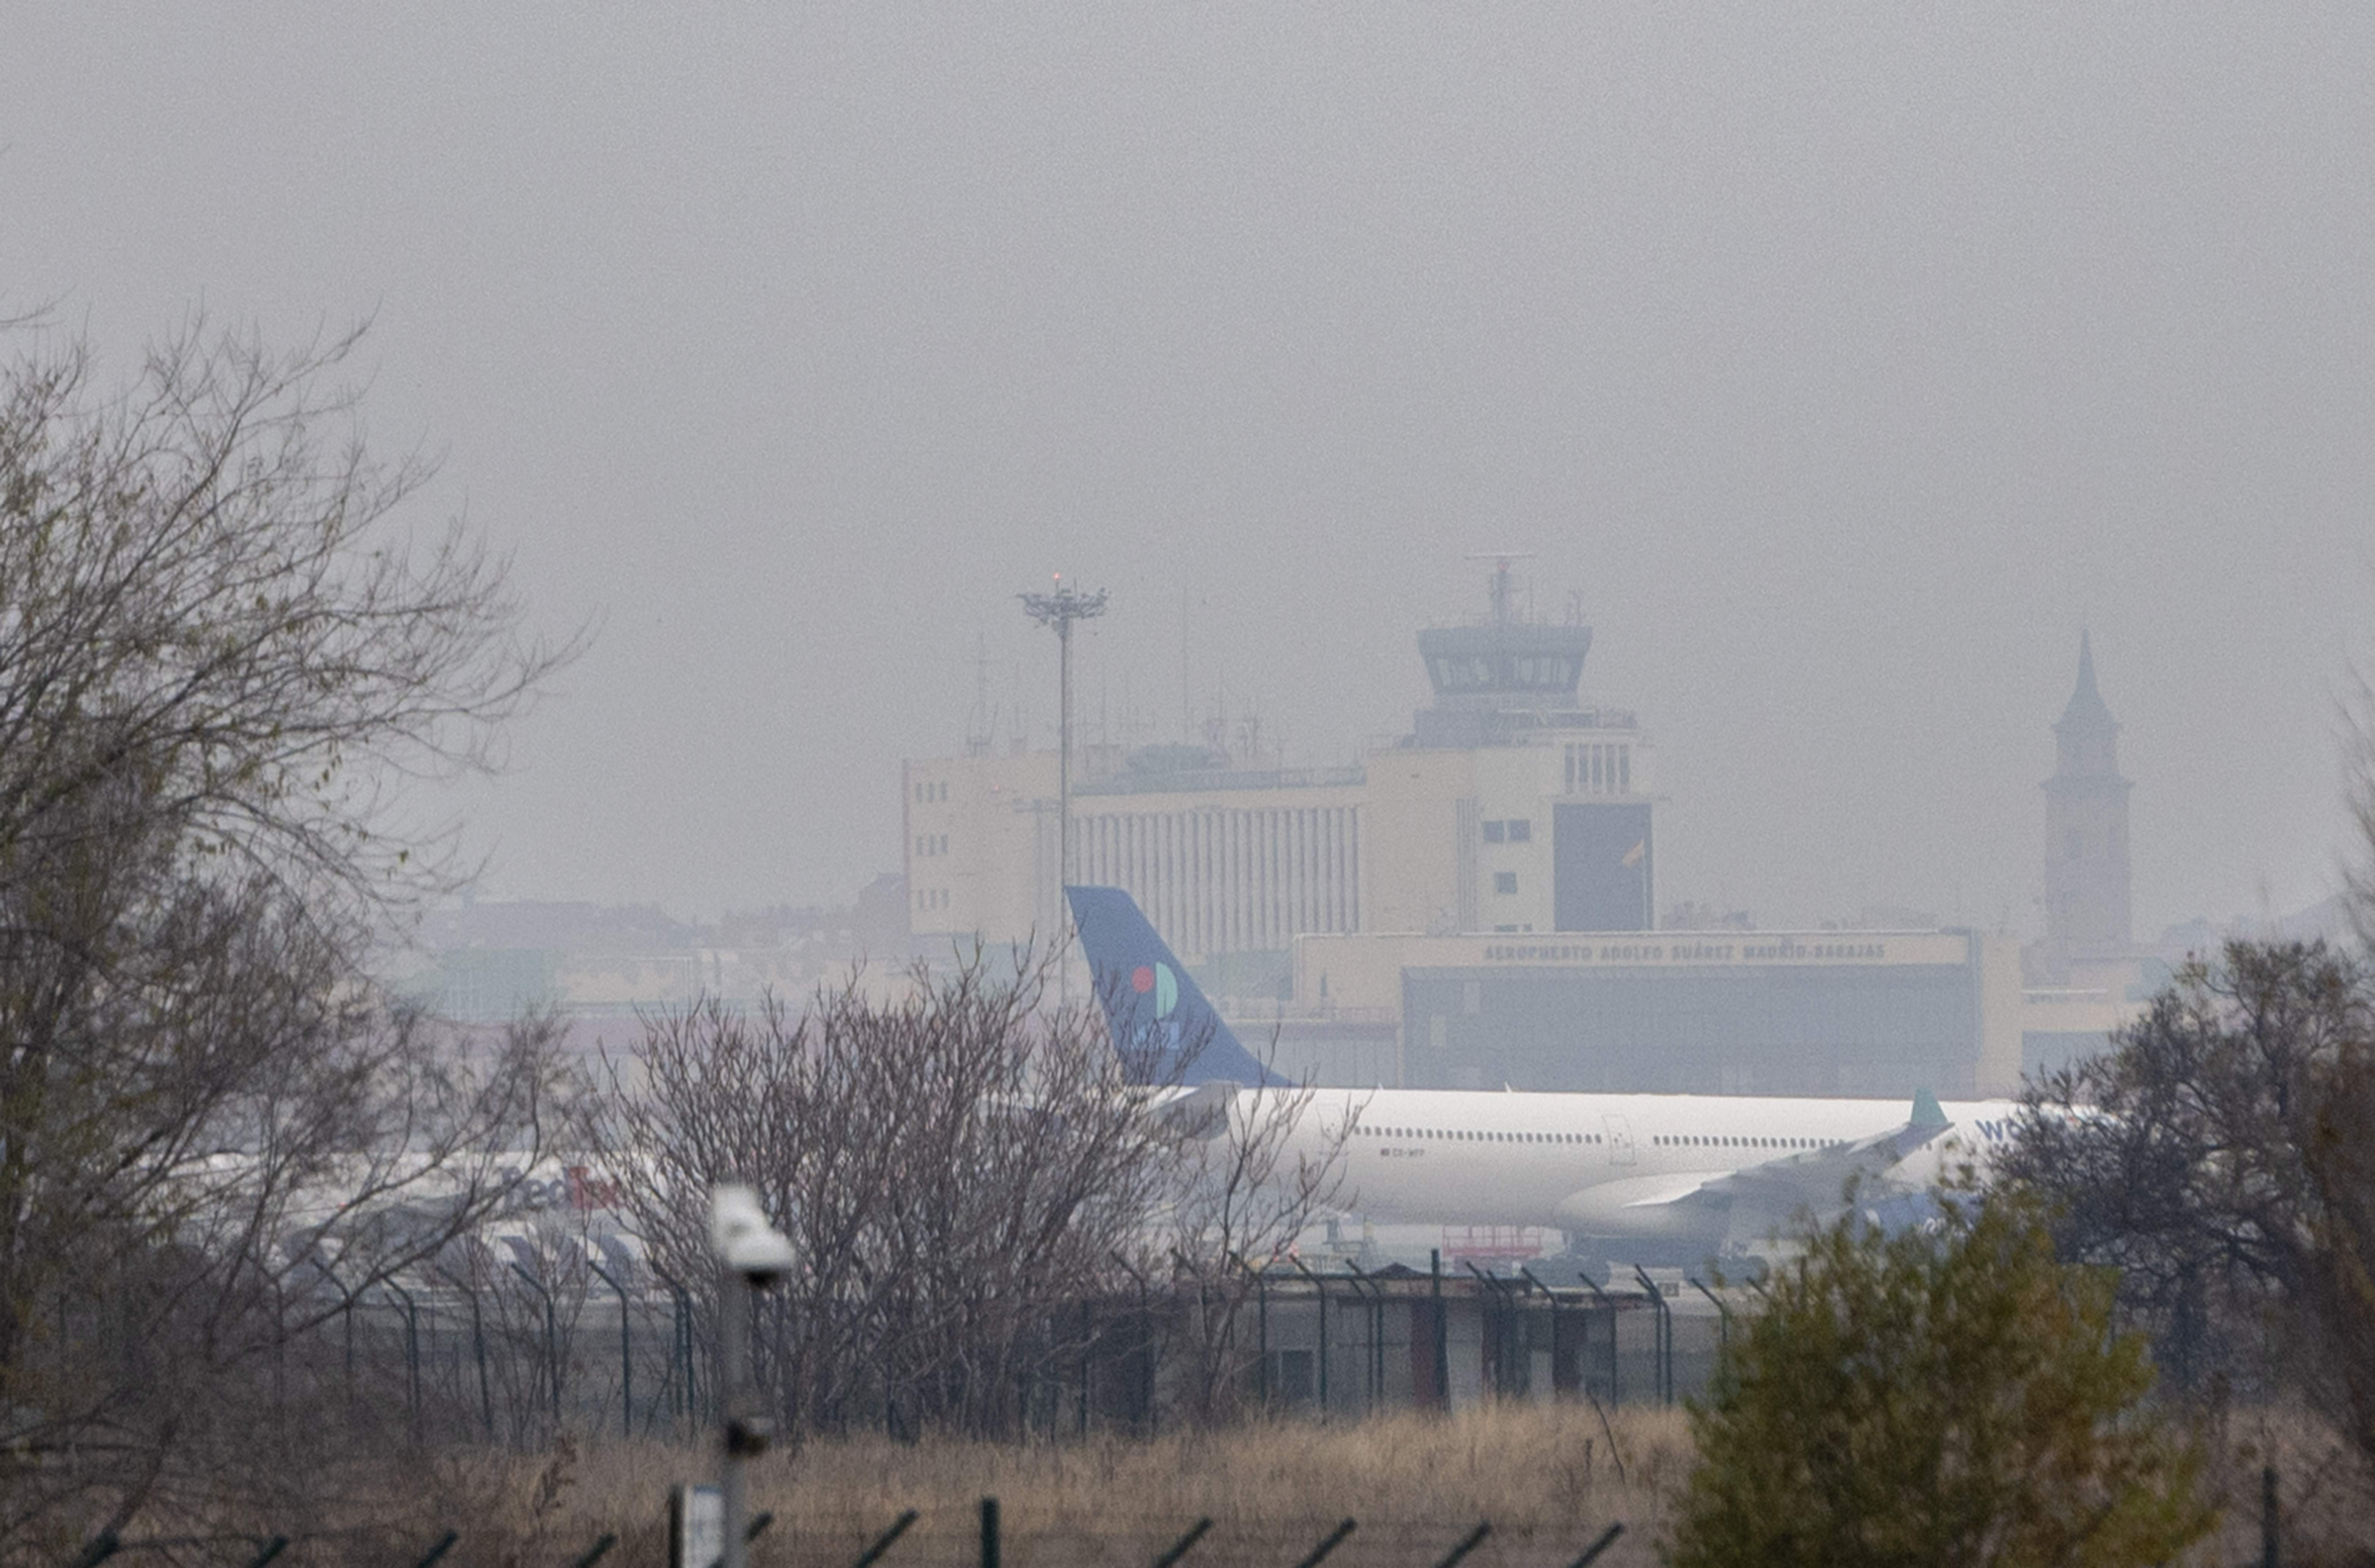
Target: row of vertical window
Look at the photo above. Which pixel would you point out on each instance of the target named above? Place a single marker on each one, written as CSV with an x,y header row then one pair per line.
x,y
929,792
1225,879
932,843
1453,1135
1599,767
1510,829
931,897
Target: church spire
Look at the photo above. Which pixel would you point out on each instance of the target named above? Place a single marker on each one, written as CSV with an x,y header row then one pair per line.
x,y
2087,705
2086,897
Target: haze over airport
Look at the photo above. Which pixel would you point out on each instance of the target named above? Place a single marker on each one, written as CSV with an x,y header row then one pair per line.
x,y
1847,364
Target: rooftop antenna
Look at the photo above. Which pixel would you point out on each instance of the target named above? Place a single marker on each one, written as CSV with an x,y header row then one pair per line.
x,y
1501,560
981,725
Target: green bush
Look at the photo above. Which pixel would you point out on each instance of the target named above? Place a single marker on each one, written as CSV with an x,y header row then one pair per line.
x,y
1951,1395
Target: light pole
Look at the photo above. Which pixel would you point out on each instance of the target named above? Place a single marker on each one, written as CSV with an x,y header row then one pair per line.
x,y
753,1255
1059,608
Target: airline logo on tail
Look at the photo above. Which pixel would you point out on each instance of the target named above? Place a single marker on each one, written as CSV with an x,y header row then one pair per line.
x,y
1161,1023
1158,981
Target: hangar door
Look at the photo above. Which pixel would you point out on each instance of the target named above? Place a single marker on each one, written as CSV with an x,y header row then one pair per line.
x,y
1600,866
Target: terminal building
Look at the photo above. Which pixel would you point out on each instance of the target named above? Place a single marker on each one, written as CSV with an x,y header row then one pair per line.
x,y
1472,907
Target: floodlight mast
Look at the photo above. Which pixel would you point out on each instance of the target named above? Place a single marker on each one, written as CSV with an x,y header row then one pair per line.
x,y
1059,608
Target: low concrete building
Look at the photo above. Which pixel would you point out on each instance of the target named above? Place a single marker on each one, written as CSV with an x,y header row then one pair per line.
x,y
1877,1013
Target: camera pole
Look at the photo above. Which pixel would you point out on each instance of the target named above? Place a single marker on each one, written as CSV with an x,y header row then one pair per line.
x,y
752,1254
734,1372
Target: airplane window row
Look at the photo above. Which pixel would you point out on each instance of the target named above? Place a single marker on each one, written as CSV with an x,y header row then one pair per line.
x,y
1695,1142
1451,1136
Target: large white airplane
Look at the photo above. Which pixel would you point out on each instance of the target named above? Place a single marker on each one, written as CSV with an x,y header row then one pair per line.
x,y
1648,1178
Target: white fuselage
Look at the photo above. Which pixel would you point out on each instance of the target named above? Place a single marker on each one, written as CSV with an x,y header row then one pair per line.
x,y
1609,1165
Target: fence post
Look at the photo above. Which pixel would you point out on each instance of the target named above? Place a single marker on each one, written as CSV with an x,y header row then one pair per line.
x,y
1722,1311
990,1543
1469,1543
1553,1297
551,1343
412,1352
1609,1307
1442,1337
1261,1332
1505,1316
1665,1335
1088,1359
2270,1556
882,1542
626,1353
479,1346
681,1351
1335,1539
1373,1316
1179,1547
1318,1286
1145,1347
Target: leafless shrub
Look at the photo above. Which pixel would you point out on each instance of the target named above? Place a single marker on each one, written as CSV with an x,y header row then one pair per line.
x,y
960,1168
1255,1170
972,1183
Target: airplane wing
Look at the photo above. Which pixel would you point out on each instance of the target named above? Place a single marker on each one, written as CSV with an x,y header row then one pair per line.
x,y
1814,1176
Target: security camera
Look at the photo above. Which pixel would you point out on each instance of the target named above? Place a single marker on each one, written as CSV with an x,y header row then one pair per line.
x,y
751,1246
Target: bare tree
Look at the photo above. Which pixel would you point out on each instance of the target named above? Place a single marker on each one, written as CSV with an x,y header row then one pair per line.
x,y
1260,1166
218,653
2216,1157
959,1168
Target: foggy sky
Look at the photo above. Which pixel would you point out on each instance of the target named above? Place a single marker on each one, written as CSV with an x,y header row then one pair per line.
x,y
1846,360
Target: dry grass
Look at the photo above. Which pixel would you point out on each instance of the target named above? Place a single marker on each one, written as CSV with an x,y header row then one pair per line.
x,y
1544,1478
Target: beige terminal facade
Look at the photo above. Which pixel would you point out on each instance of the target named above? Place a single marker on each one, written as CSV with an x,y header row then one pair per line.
x,y
1472,906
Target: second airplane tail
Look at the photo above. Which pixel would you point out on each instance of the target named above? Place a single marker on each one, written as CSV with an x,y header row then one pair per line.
x,y
1161,1025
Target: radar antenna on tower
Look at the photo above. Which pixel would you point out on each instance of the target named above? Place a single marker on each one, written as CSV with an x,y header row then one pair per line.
x,y
1501,560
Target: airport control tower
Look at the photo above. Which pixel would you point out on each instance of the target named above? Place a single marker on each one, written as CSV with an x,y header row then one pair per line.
x,y
1542,801
1498,679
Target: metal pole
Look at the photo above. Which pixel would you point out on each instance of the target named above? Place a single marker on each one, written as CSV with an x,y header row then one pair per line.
x,y
1372,1303
1723,1312
683,1346
626,1353
733,1376
1261,1326
1442,1340
1665,1336
412,1352
1145,1347
478,1345
1546,1290
1322,1290
1609,1307
1060,609
1064,756
551,1343
2269,1555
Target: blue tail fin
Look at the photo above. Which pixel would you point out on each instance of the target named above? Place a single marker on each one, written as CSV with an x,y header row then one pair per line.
x,y
1161,1025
